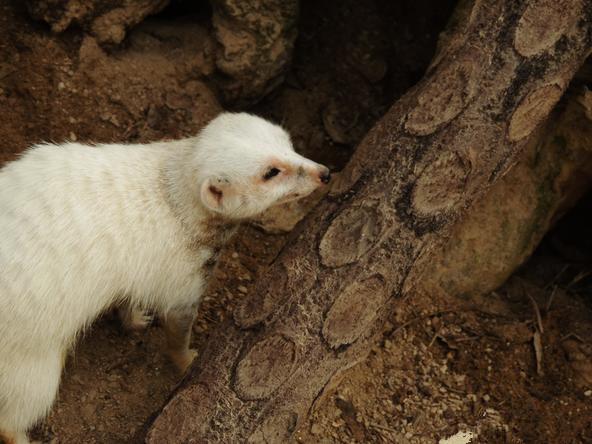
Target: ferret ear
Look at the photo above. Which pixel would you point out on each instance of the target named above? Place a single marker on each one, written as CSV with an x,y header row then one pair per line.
x,y
216,193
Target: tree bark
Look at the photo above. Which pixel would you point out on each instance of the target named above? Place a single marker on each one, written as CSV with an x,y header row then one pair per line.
x,y
367,245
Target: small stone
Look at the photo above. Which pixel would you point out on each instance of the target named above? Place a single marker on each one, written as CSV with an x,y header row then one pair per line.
x,y
234,255
588,393
242,289
88,411
373,69
61,85
486,398
316,429
338,123
73,137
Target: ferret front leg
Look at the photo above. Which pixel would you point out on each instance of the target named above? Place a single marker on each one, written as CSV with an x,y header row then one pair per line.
x,y
177,326
14,438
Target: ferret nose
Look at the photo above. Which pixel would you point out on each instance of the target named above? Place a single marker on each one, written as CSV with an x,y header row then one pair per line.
x,y
325,176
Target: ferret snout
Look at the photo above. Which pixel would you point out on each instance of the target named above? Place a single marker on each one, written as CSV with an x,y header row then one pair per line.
x,y
315,172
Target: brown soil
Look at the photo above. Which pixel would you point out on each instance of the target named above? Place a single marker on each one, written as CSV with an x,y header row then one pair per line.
x,y
443,366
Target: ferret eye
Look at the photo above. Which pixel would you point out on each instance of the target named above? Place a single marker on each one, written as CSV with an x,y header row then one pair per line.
x,y
272,172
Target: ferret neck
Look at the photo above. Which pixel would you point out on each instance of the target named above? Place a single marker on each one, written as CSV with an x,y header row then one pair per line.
x,y
181,178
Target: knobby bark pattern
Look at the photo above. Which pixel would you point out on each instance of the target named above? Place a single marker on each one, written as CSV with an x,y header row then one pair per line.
x,y
327,294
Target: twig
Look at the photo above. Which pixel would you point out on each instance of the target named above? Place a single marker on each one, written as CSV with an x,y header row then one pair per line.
x,y
538,351
572,335
436,335
550,300
536,311
557,276
468,338
581,275
378,426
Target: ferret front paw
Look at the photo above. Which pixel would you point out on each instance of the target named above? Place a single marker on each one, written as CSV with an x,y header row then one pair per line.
x,y
140,320
134,319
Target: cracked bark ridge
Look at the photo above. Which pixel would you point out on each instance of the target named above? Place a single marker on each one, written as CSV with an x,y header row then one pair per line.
x,y
444,96
256,40
297,273
533,33
532,110
440,186
364,247
350,315
263,369
351,235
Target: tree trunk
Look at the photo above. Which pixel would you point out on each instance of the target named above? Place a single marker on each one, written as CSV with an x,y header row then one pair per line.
x,y
323,301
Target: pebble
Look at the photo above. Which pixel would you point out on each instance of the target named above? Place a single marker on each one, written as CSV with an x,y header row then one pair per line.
x,y
88,410
242,289
234,255
588,393
316,429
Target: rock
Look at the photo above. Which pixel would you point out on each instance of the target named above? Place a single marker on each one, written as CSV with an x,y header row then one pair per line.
x,y
316,429
256,40
338,121
106,20
373,69
579,360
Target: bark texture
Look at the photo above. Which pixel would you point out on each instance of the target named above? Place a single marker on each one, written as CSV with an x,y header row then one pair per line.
x,y
371,241
501,230
491,240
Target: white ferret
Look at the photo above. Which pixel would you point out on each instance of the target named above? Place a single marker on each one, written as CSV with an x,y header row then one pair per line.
x,y
85,228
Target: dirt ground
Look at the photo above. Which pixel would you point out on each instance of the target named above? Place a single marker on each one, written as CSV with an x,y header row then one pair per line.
x,y
443,365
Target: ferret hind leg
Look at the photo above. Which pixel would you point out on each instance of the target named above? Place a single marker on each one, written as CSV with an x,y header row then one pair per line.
x,y
178,323
28,387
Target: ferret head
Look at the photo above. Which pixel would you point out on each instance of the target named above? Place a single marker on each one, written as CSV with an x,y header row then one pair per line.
x,y
247,164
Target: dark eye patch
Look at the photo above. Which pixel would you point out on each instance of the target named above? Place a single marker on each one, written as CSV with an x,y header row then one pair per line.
x,y
272,172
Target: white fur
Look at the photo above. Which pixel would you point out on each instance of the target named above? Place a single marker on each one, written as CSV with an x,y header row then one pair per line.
x,y
84,228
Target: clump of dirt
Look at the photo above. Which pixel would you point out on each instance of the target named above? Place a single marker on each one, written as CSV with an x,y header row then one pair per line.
x,y
107,21
439,369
